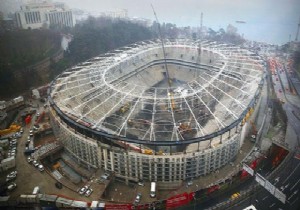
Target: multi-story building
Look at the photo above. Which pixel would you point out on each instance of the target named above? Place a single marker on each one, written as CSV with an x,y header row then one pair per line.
x,y
44,15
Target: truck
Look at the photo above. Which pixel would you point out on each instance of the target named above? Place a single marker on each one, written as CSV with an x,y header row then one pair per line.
x,y
153,190
36,190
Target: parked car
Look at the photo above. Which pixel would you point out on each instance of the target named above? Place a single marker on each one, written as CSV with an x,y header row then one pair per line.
x,y
141,183
83,190
88,192
11,186
11,176
138,198
35,163
104,176
189,183
41,168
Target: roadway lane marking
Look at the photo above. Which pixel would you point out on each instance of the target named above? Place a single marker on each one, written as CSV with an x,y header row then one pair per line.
x,y
291,173
294,201
265,197
295,184
272,205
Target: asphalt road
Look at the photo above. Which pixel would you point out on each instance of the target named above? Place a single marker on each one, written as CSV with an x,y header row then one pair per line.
x,y
288,181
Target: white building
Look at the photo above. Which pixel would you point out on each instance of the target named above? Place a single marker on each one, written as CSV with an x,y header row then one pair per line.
x,y
120,13
43,15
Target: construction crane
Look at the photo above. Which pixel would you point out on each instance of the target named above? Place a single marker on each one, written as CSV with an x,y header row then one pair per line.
x,y
163,48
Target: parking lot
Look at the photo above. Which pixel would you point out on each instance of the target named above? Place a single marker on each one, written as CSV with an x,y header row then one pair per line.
x,y
29,176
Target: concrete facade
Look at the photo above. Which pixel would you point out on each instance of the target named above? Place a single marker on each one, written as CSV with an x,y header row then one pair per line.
x,y
43,15
134,166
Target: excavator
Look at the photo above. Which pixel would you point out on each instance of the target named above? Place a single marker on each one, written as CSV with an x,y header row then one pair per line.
x,y
185,127
124,108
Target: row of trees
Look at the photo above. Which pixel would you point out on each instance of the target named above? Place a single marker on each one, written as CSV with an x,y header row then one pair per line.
x,y
22,48
99,35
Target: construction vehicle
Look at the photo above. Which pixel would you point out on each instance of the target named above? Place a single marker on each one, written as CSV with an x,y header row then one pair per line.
x,y
235,196
56,166
173,106
12,128
147,151
184,128
124,108
247,116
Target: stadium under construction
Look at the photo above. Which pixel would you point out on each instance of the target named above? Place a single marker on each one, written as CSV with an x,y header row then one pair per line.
x,y
166,114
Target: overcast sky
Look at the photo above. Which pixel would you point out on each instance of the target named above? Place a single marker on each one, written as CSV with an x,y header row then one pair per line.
x,y
266,20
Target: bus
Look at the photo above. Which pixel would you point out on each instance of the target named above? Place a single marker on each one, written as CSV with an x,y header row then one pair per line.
x,y
153,190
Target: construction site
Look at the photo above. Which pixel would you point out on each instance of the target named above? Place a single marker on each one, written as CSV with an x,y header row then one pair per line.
x,y
149,113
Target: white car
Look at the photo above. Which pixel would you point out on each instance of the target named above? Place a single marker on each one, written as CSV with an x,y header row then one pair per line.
x,y
141,183
138,198
11,186
35,163
83,190
88,192
41,168
11,176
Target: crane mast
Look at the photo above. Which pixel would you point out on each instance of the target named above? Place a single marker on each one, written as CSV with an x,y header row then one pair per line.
x,y
163,48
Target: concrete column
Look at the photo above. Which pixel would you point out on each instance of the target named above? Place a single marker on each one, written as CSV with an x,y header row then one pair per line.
x,y
126,168
171,162
99,149
155,171
112,160
175,170
150,167
136,164
141,169
105,160
184,168
197,165
163,169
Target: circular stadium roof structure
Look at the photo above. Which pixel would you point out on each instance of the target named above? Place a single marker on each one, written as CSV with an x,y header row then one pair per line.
x,y
197,90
